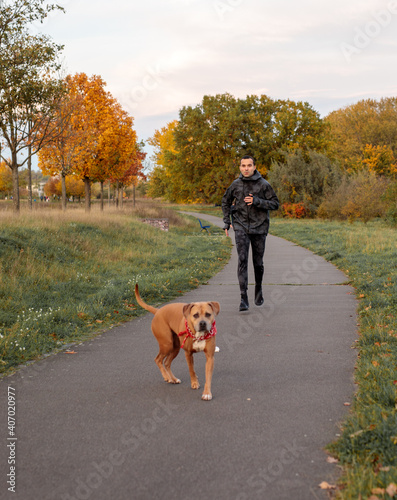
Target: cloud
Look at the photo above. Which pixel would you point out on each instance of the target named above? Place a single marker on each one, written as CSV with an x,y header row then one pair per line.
x,y
158,56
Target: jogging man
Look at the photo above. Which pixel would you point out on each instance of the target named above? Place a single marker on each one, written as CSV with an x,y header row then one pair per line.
x,y
245,205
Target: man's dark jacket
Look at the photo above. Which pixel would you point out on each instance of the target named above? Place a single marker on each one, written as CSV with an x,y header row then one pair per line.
x,y
253,219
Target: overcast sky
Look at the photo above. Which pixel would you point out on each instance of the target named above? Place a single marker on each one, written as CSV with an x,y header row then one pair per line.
x,y
159,55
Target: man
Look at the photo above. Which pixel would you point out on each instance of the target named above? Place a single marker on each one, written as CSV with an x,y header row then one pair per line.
x,y
248,201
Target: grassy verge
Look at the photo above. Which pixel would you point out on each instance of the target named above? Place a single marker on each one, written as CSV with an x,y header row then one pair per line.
x,y
64,277
367,253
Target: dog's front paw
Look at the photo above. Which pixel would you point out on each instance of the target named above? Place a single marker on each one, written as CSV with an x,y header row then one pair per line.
x,y
174,381
195,384
206,397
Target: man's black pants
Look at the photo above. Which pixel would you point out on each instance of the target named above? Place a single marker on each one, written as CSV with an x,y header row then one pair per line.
x,y
243,242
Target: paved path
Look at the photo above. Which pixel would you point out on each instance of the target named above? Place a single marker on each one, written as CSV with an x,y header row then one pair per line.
x,y
101,423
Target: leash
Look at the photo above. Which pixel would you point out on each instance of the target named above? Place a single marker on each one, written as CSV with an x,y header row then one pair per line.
x,y
189,333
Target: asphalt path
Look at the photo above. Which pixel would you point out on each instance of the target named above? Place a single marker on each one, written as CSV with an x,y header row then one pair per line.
x,y
100,423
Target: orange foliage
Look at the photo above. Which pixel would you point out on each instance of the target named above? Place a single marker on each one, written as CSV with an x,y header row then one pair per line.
x,y
5,178
96,140
294,210
380,160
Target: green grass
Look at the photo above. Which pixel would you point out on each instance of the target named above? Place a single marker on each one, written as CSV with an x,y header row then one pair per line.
x,y
64,277
367,253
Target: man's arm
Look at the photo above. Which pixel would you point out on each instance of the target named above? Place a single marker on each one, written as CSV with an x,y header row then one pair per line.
x,y
270,200
227,201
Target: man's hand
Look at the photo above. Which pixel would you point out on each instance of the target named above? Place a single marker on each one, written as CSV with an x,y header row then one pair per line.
x,y
249,199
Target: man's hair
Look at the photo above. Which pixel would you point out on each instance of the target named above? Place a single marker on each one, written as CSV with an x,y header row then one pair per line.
x,y
248,157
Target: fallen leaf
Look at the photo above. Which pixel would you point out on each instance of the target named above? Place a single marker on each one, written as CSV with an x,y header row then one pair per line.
x,y
346,404
378,491
357,433
70,352
391,490
99,321
326,486
332,460
375,363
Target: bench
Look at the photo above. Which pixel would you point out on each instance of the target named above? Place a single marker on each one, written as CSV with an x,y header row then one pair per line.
x,y
203,228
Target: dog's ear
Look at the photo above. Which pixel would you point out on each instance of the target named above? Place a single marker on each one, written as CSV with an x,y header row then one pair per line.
x,y
215,306
186,309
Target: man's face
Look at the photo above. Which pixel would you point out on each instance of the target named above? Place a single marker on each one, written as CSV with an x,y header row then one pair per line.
x,y
247,167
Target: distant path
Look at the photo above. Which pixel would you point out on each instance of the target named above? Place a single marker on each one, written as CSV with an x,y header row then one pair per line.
x,y
100,423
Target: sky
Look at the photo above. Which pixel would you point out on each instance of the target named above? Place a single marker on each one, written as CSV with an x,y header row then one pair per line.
x,y
157,56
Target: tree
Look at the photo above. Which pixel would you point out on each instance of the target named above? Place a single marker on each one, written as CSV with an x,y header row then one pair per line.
x,y
209,139
163,143
118,151
380,160
59,156
359,129
108,146
28,91
5,178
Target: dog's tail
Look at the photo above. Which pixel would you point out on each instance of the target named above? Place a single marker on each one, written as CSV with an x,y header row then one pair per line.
x,y
142,303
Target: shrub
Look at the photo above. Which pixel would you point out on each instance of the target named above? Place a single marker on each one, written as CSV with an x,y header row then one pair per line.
x,y
390,198
359,196
294,210
304,179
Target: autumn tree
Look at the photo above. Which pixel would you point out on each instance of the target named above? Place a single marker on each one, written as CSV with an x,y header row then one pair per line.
x,y
209,139
364,134
59,157
108,141
29,91
163,143
117,150
74,188
5,178
380,160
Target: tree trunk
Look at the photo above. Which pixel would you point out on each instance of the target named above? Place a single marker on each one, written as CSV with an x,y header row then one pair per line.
x,y
15,189
101,196
15,182
30,189
87,185
117,194
121,196
109,194
64,199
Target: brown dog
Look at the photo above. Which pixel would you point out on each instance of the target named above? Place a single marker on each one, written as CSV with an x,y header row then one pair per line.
x,y
190,326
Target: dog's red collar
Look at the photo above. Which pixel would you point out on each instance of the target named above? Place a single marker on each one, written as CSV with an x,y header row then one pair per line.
x,y
189,333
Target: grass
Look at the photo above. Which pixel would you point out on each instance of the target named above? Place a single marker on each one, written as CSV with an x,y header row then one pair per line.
x,y
64,277
367,253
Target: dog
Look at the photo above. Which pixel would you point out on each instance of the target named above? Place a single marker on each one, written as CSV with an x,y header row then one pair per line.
x,y
188,326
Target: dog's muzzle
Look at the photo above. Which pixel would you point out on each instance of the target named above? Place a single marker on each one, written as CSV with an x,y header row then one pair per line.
x,y
203,326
